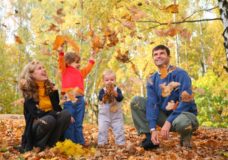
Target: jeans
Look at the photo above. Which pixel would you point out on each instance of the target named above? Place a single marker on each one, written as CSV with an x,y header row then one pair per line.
x,y
77,111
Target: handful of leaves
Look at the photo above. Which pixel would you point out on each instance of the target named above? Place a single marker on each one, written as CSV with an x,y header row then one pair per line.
x,y
110,97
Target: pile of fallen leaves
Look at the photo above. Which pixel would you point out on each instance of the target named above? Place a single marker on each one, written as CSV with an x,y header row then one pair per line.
x,y
208,143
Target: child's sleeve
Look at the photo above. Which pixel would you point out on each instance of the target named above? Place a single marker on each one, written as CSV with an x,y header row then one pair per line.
x,y
119,97
85,71
61,62
101,94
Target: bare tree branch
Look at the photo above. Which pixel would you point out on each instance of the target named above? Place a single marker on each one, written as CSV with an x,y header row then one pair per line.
x,y
209,9
178,22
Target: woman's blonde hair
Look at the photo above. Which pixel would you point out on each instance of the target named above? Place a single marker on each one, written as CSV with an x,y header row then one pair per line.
x,y
28,85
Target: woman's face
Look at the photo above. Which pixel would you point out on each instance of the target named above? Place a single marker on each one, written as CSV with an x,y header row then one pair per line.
x,y
39,73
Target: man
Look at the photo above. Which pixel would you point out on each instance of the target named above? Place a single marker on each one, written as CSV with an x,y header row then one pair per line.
x,y
169,103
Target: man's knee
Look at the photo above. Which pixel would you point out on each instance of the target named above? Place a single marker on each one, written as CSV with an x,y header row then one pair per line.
x,y
137,102
185,123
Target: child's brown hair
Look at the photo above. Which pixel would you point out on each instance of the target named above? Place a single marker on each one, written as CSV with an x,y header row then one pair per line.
x,y
71,57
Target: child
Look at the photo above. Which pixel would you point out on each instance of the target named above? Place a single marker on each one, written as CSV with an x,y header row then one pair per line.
x,y
110,112
73,90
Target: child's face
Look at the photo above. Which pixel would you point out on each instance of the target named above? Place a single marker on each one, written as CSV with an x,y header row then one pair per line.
x,y
109,79
76,64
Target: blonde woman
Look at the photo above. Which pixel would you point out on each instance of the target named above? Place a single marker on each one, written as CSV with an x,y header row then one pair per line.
x,y
45,120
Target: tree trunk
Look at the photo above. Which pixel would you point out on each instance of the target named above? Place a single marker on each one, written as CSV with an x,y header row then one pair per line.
x,y
223,6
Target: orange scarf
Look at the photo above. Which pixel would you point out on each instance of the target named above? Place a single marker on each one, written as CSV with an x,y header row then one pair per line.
x,y
44,100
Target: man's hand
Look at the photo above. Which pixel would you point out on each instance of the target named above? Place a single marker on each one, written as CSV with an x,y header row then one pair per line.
x,y
154,137
165,130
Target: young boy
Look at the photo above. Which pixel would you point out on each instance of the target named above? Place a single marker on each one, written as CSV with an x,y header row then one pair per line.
x,y
110,112
73,90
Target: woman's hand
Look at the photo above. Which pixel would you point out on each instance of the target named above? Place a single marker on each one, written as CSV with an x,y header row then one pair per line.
x,y
42,121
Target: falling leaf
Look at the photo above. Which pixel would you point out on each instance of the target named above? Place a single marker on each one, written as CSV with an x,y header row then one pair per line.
x,y
122,57
81,35
163,72
173,8
129,24
59,20
91,31
96,44
18,39
59,40
172,31
136,13
60,12
53,27
186,97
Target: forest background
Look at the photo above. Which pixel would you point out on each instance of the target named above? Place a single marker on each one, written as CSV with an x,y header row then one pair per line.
x,y
123,33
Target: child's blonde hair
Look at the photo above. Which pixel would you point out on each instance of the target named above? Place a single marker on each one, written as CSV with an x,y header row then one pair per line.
x,y
108,72
71,57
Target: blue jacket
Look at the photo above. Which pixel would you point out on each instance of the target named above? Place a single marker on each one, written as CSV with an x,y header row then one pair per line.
x,y
155,101
119,98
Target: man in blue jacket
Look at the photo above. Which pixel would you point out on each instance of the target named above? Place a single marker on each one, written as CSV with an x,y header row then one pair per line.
x,y
169,103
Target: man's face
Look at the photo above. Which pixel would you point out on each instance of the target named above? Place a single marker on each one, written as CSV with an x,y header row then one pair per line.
x,y
161,58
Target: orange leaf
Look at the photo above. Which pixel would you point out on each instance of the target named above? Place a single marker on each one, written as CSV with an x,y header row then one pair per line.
x,y
59,40
53,27
60,12
18,39
73,44
186,97
173,8
172,31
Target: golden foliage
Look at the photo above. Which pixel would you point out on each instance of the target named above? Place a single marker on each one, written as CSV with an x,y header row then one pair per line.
x,y
72,149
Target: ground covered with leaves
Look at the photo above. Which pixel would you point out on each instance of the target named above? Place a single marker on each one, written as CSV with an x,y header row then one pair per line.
x,y
208,143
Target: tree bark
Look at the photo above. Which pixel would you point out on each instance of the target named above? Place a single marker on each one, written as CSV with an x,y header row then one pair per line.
x,y
223,6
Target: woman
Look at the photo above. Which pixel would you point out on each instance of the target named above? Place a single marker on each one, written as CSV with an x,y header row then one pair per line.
x,y
45,120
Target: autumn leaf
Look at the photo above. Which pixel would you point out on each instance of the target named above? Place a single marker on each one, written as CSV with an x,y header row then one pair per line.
x,y
73,44
81,35
122,57
59,20
59,40
173,8
133,66
136,13
186,97
60,12
18,39
164,72
53,27
96,44
172,31
129,24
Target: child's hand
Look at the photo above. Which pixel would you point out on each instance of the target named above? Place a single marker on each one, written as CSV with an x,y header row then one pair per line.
x,y
61,48
93,55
